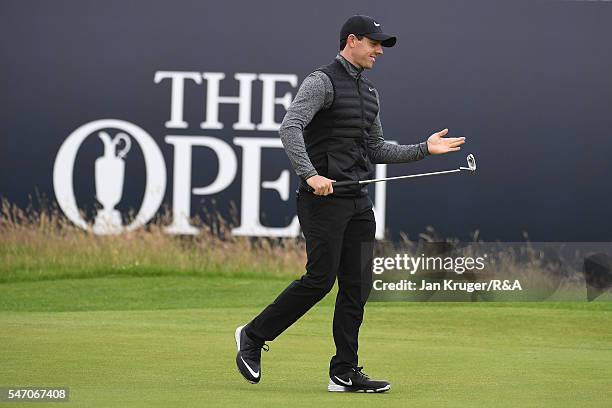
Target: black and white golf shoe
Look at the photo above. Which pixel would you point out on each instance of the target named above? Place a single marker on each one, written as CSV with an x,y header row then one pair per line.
x,y
356,381
248,358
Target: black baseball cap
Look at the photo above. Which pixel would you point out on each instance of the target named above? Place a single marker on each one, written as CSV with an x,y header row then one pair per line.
x,y
368,27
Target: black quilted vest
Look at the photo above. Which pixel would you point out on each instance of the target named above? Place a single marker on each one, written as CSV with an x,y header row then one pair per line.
x,y
336,137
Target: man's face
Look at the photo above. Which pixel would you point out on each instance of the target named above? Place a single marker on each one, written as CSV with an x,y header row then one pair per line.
x,y
366,51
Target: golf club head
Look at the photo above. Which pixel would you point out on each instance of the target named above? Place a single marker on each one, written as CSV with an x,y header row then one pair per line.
x,y
471,162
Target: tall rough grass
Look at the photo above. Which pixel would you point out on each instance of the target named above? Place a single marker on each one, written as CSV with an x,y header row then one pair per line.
x,y
41,243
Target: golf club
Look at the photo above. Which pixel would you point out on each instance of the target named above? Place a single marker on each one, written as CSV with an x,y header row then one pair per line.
x,y
471,162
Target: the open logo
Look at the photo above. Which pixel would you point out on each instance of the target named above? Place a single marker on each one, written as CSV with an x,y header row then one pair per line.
x,y
110,175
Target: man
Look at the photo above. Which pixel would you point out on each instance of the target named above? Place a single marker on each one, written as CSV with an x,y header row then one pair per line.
x,y
332,132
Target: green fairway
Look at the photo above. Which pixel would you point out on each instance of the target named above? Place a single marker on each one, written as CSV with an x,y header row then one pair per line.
x,y
168,342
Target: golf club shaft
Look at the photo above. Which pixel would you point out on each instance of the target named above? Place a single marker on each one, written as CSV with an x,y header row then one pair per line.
x,y
354,182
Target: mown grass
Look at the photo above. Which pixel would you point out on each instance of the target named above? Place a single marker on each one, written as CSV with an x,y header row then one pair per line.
x,y
168,341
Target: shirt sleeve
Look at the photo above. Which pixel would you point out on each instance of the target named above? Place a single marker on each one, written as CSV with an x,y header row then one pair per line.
x,y
315,93
381,151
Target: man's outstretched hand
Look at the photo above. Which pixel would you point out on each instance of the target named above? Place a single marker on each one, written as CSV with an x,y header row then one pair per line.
x,y
438,144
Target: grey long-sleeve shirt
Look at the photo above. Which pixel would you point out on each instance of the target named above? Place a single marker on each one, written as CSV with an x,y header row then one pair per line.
x,y
317,93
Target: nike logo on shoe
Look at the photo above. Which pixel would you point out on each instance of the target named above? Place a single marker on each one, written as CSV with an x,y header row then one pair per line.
x,y
377,25
349,382
371,89
253,373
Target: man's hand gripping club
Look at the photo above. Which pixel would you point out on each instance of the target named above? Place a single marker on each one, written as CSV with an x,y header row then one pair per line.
x,y
321,185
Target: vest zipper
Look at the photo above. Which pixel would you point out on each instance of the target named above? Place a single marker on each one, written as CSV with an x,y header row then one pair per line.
x,y
360,101
361,144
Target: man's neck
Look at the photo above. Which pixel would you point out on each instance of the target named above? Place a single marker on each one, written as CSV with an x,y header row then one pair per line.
x,y
350,60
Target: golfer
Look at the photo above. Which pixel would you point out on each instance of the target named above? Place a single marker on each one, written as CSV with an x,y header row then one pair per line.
x,y
332,132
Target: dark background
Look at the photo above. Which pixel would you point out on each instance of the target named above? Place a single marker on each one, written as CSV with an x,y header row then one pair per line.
x,y
528,83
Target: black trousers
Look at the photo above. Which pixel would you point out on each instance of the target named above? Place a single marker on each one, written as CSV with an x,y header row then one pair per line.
x,y
339,236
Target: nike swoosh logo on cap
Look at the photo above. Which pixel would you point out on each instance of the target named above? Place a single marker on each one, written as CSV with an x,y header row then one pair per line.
x,y
349,382
253,373
377,25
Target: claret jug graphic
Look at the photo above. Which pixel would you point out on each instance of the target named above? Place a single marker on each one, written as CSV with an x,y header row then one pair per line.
x,y
110,172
